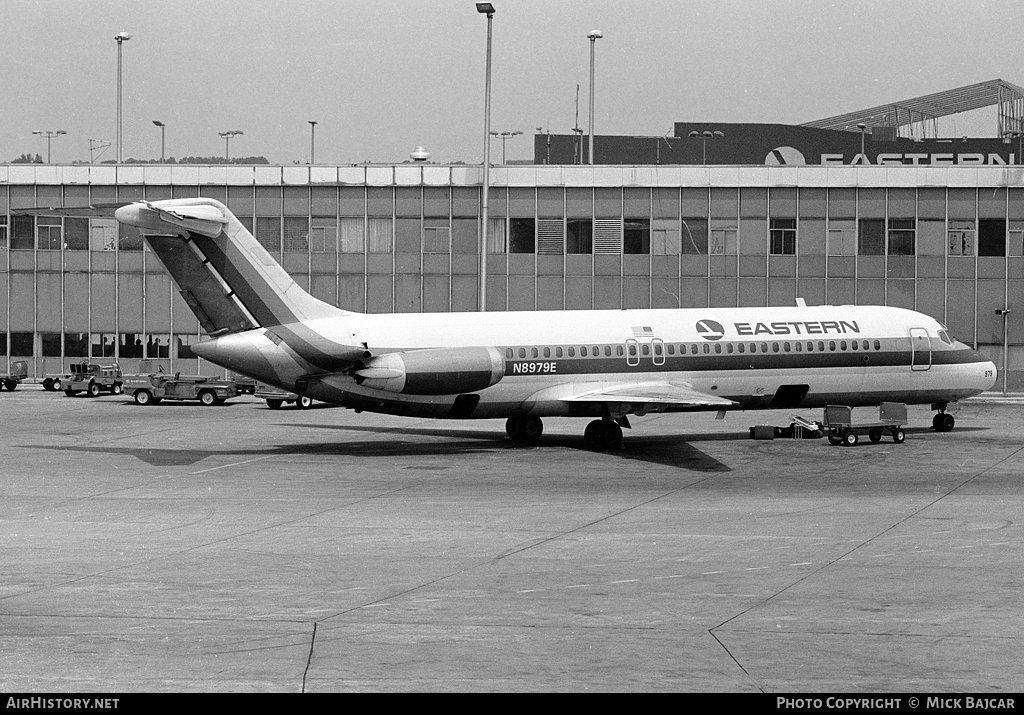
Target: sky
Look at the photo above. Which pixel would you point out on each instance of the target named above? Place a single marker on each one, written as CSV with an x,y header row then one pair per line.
x,y
381,77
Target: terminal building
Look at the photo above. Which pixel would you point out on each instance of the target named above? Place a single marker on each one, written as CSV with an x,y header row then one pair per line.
x,y
718,215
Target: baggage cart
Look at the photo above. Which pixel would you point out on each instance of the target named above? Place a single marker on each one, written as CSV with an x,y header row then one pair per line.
x,y
843,430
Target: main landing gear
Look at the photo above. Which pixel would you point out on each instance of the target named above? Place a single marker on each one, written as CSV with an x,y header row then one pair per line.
x,y
601,434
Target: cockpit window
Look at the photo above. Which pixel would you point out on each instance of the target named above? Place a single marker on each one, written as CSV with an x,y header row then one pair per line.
x,y
944,337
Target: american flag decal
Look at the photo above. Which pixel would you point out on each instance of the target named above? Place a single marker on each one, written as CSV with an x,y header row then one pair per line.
x,y
642,331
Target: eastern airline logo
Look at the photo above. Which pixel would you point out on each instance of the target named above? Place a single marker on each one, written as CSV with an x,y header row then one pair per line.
x,y
710,330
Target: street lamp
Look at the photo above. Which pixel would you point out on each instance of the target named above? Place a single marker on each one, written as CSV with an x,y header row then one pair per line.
x,y
49,135
312,142
863,128
704,136
485,8
1019,136
593,35
227,139
504,136
120,37
162,128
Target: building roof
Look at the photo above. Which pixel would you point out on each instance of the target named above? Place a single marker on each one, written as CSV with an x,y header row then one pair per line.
x,y
1009,96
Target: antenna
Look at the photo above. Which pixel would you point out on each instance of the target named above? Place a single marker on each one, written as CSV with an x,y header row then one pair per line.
x,y
95,144
576,148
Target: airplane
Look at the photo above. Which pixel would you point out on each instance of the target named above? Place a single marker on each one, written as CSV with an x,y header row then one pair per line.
x,y
524,366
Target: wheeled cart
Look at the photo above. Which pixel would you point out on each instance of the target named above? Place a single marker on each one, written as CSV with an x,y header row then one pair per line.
x,y
843,430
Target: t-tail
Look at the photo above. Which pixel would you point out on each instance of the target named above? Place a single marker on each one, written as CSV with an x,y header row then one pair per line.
x,y
263,324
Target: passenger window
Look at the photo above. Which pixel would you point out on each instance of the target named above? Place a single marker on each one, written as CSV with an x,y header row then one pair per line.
x,y
632,350
753,347
853,344
810,347
645,349
522,352
558,352
865,345
798,346
707,349
657,349
597,351
508,353
785,347
764,347
618,350
842,345
821,346
547,352
671,349
718,348
775,347
693,349
878,345
728,348
572,352
608,350
741,347
534,352
583,351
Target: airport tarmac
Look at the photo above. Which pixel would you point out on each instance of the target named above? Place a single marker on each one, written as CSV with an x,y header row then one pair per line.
x,y
235,548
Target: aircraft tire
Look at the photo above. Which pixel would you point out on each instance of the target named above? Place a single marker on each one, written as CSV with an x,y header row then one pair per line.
x,y
603,434
944,422
527,429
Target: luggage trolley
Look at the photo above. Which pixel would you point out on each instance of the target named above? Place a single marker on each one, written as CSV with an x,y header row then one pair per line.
x,y
841,427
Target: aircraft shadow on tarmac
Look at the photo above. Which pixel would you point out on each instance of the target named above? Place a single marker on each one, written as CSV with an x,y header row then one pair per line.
x,y
666,451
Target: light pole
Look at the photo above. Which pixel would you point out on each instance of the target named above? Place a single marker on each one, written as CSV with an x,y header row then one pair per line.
x,y
704,136
485,8
120,37
593,35
1019,136
312,142
49,135
227,139
504,136
863,128
1004,313
162,126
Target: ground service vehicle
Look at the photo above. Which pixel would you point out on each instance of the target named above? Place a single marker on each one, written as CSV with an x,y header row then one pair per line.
x,y
18,372
93,379
151,389
276,397
842,429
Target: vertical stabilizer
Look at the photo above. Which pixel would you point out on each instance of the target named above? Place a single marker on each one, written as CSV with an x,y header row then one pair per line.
x,y
228,279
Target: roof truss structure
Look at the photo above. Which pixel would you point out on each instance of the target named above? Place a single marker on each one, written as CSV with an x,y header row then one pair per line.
x,y
921,110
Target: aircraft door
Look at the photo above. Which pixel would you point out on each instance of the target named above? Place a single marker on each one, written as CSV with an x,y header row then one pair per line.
x,y
632,352
920,349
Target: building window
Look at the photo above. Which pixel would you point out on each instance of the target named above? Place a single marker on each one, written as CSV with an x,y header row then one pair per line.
x,y
323,235
296,234
842,237
902,236
268,233
184,344
665,237
381,235
3,245
991,237
21,345
608,236
579,236
102,234
1016,234
49,233
550,236
76,234
128,238
23,235
352,235
76,345
158,346
522,238
694,237
782,236
50,343
871,237
636,236
131,345
960,237
723,237
103,345
497,240
437,235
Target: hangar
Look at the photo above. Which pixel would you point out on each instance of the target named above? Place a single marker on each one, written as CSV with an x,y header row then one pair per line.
x,y
761,215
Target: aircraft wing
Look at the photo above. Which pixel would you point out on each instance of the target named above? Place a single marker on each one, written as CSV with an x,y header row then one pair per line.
x,y
648,393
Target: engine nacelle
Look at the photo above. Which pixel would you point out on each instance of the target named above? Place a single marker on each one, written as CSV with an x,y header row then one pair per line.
x,y
443,371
